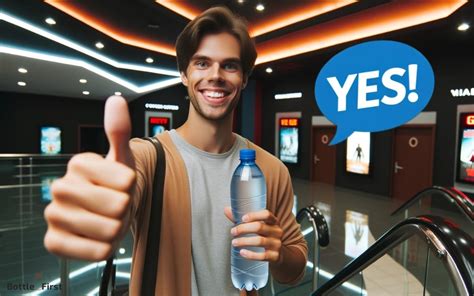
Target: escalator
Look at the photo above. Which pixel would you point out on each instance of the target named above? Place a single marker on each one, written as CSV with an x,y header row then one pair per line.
x,y
424,255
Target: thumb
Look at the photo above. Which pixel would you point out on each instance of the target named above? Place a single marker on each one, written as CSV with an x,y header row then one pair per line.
x,y
118,130
228,214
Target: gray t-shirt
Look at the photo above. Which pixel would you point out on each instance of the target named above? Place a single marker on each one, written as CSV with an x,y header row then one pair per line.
x,y
209,176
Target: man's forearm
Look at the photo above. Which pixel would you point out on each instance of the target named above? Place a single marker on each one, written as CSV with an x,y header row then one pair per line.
x,y
290,266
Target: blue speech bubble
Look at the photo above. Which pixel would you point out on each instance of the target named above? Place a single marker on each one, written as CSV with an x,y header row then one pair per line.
x,y
373,86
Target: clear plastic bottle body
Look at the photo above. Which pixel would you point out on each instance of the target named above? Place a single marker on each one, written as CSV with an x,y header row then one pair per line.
x,y
248,194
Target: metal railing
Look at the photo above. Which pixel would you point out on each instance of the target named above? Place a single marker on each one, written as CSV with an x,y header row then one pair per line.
x,y
463,202
451,244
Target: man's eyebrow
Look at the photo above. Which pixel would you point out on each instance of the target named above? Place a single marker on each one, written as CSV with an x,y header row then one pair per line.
x,y
203,57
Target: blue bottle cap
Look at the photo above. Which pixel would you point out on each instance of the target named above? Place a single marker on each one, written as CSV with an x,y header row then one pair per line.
x,y
247,154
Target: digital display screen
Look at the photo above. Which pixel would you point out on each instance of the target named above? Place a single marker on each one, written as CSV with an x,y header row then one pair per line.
x,y
50,140
157,125
465,161
289,139
358,153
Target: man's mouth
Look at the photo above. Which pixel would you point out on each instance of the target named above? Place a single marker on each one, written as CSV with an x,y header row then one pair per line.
x,y
215,96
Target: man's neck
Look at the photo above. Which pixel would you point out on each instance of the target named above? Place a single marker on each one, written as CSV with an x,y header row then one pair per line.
x,y
208,135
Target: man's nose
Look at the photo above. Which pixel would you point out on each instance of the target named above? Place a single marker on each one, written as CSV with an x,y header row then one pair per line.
x,y
215,73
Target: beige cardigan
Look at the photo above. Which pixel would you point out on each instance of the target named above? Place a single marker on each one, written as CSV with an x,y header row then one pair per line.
x,y
174,268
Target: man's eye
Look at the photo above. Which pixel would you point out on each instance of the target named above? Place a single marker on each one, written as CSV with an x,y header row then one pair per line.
x,y
231,66
201,64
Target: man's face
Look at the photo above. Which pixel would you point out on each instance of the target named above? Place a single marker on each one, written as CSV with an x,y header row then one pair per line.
x,y
214,76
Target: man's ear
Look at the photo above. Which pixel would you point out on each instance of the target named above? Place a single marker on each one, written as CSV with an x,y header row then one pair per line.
x,y
184,79
244,81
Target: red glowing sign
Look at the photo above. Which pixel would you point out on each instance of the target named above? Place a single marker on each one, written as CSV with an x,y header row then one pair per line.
x,y
289,122
470,120
159,120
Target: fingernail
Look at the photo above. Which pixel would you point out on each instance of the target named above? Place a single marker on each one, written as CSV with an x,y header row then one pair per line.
x,y
234,242
243,252
233,231
245,218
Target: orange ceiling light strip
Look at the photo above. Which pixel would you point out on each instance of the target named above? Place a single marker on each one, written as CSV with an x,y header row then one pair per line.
x,y
293,16
69,8
301,13
181,8
384,18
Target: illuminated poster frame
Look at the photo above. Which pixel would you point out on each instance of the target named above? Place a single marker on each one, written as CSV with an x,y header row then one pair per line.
x,y
465,149
358,153
289,140
50,140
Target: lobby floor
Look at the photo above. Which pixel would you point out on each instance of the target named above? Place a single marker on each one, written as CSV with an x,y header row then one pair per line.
x,y
355,220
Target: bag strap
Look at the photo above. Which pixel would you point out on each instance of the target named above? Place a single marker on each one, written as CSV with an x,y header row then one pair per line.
x,y
150,267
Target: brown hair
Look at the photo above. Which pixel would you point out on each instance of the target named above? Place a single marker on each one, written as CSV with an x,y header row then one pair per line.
x,y
214,21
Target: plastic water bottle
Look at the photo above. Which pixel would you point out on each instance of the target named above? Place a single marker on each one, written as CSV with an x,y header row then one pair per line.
x,y
248,194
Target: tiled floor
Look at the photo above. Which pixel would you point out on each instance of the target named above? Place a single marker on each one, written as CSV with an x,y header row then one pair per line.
x,y
355,220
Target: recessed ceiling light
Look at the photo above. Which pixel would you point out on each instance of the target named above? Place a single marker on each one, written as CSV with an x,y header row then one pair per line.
x,y
122,251
99,45
260,7
149,60
21,83
50,21
463,27
85,93
82,80
240,1
22,70
269,70
117,93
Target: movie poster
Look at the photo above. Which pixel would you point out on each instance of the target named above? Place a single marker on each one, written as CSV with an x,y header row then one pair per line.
x,y
50,140
466,156
289,144
358,153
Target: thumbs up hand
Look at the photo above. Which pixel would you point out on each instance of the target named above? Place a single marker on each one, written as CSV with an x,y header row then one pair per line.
x,y
89,213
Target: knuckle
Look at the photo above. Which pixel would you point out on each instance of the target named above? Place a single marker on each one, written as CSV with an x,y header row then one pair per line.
x,y
102,252
51,214
278,244
129,177
57,188
262,241
121,202
280,233
113,231
51,243
75,163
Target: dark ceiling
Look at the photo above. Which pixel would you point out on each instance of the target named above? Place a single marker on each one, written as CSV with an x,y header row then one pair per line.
x,y
56,62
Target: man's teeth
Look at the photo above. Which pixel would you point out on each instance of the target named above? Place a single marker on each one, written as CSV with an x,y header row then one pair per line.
x,y
214,94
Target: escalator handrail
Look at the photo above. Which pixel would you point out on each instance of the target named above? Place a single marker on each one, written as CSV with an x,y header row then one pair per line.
x,y
463,202
451,243
322,229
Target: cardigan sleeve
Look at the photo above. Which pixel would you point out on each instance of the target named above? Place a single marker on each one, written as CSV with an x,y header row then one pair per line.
x,y
292,237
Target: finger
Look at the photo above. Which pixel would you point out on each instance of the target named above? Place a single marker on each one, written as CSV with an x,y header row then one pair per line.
x,y
78,221
102,172
271,256
96,199
257,228
263,215
118,128
228,214
68,245
257,241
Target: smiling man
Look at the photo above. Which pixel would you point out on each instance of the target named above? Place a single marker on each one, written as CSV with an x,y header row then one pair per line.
x,y
98,199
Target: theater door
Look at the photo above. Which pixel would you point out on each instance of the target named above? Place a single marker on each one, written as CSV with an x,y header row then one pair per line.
x,y
413,160
323,156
